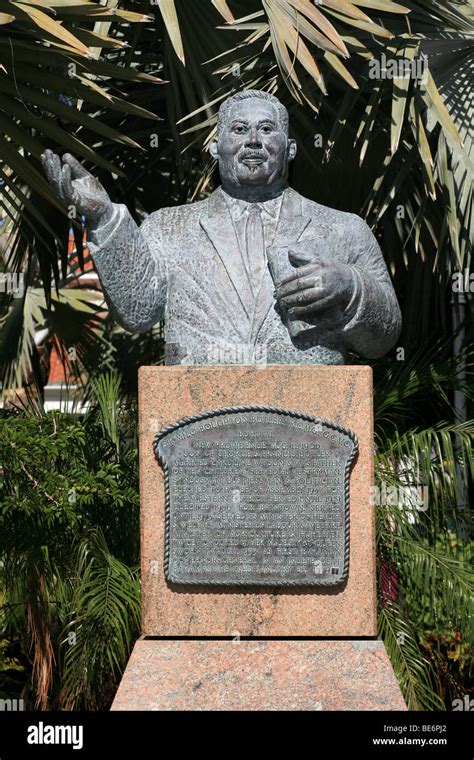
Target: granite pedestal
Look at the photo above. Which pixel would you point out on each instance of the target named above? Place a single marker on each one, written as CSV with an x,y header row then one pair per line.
x,y
198,648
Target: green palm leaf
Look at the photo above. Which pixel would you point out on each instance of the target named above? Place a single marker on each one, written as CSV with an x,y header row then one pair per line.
x,y
104,622
414,674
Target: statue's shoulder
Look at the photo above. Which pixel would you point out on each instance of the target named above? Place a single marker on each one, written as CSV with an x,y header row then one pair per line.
x,y
343,224
332,216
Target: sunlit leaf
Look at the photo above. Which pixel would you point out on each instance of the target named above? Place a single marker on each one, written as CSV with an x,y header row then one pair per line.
x,y
224,10
52,27
170,18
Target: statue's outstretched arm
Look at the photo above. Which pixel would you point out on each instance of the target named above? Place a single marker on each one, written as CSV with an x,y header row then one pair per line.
x,y
133,274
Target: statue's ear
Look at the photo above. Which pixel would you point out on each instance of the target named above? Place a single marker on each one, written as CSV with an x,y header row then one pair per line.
x,y
213,148
292,148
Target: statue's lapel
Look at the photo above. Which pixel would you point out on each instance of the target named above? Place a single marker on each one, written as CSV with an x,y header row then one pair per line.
x,y
291,223
290,227
220,230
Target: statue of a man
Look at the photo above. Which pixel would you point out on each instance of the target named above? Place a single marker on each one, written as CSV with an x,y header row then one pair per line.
x,y
253,273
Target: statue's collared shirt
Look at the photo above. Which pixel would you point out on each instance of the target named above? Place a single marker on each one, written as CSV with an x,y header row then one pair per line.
x,y
239,211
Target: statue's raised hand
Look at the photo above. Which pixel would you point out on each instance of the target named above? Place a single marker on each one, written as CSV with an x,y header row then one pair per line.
x,y
75,186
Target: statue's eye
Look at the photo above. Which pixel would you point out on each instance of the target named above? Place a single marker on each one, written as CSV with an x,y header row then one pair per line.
x,y
266,129
239,129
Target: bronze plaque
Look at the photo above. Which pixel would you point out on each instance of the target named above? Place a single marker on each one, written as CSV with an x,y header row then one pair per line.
x,y
256,496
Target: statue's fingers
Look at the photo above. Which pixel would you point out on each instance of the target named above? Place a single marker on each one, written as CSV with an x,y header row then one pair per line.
x,y
47,157
302,312
46,161
55,163
295,289
310,293
298,281
48,170
297,300
313,305
77,169
52,169
67,191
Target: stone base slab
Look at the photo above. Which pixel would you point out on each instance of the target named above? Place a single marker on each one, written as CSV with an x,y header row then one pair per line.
x,y
258,675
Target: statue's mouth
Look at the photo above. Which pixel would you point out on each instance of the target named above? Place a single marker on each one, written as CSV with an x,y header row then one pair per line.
x,y
253,159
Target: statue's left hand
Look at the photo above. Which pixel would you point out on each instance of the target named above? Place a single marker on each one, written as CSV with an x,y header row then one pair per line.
x,y
319,283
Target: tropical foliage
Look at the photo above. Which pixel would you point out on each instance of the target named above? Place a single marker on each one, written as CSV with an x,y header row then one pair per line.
x,y
69,547
56,101
424,465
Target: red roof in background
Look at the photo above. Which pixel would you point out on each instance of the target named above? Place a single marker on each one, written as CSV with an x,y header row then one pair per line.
x,y
71,250
57,375
56,369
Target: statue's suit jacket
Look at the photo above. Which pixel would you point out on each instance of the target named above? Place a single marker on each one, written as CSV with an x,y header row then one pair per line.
x,y
184,264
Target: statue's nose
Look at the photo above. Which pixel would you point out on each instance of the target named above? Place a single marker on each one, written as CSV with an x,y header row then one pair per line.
x,y
253,138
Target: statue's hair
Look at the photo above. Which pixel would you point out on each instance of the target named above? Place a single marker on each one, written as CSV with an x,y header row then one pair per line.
x,y
245,95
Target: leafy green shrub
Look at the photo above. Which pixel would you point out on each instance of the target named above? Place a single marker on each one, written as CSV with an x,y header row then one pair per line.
x,y
69,527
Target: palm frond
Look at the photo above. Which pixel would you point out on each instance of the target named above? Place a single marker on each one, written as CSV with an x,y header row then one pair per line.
x,y
413,672
103,624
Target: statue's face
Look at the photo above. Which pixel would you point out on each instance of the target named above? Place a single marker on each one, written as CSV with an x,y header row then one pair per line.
x,y
253,150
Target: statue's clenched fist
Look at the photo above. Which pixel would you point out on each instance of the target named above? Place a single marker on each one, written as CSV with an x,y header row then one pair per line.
x,y
319,282
75,186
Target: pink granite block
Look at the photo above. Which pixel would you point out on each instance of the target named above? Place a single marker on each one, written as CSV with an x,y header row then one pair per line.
x,y
342,394
259,675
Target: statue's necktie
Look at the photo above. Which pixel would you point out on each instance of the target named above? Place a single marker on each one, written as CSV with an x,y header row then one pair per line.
x,y
255,245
